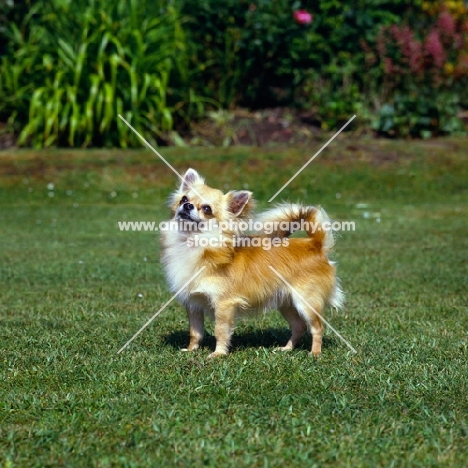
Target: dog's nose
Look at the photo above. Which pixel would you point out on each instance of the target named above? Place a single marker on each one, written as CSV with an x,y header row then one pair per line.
x,y
188,207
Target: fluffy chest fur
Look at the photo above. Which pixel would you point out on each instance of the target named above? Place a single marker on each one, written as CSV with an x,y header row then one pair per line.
x,y
180,261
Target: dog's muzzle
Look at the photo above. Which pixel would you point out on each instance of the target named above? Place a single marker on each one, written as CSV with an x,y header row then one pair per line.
x,y
185,212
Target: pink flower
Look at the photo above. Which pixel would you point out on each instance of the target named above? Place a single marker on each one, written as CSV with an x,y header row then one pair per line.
x,y
302,17
446,23
434,48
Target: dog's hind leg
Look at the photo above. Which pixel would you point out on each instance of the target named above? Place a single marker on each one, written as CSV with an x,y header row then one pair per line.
x,y
317,331
297,324
197,329
312,312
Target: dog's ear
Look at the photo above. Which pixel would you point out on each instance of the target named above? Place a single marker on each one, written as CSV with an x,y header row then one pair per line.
x,y
191,178
238,200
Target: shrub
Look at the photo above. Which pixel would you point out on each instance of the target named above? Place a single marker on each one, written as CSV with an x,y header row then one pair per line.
x,y
331,95
256,54
423,74
69,67
76,64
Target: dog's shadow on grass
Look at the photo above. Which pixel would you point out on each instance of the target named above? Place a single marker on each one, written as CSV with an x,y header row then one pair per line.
x,y
271,338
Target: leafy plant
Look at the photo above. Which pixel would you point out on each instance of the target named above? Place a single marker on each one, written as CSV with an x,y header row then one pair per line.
x,y
68,68
255,54
93,61
419,115
332,94
423,75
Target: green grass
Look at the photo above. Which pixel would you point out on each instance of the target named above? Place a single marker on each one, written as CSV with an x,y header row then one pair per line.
x,y
74,289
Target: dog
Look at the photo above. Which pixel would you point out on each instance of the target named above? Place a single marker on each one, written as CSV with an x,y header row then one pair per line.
x,y
220,272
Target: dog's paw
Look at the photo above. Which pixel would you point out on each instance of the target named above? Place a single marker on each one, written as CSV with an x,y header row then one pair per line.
x,y
284,348
189,349
216,354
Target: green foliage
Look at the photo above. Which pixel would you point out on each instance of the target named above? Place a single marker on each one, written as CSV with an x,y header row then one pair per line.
x,y
12,11
332,94
423,74
80,64
253,53
15,91
68,68
419,115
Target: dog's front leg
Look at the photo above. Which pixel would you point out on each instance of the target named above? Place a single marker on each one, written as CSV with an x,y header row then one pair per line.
x,y
224,323
197,329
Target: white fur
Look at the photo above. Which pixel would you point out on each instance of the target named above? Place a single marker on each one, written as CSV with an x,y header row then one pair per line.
x,y
337,297
180,261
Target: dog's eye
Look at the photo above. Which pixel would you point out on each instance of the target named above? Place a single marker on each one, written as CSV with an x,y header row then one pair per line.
x,y
207,209
184,200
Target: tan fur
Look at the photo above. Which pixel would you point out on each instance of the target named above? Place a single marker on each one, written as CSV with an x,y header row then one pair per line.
x,y
238,279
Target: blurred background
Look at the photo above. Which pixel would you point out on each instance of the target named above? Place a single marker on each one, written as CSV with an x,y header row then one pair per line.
x,y
251,72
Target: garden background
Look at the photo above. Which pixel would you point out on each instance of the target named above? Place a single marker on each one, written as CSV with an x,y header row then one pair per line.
x,y
203,72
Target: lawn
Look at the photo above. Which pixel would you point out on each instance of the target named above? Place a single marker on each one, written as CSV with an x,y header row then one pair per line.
x,y
74,289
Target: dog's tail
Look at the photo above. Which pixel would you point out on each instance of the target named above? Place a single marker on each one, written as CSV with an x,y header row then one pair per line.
x,y
337,296
285,219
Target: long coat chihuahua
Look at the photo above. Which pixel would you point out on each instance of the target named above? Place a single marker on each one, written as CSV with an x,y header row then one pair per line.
x,y
223,273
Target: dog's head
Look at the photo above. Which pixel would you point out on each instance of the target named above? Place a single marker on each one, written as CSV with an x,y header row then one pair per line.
x,y
195,202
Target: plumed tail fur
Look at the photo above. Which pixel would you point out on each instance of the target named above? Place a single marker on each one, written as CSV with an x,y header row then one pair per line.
x,y
337,297
285,219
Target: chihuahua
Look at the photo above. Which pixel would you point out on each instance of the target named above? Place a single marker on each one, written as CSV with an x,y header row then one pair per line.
x,y
220,272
